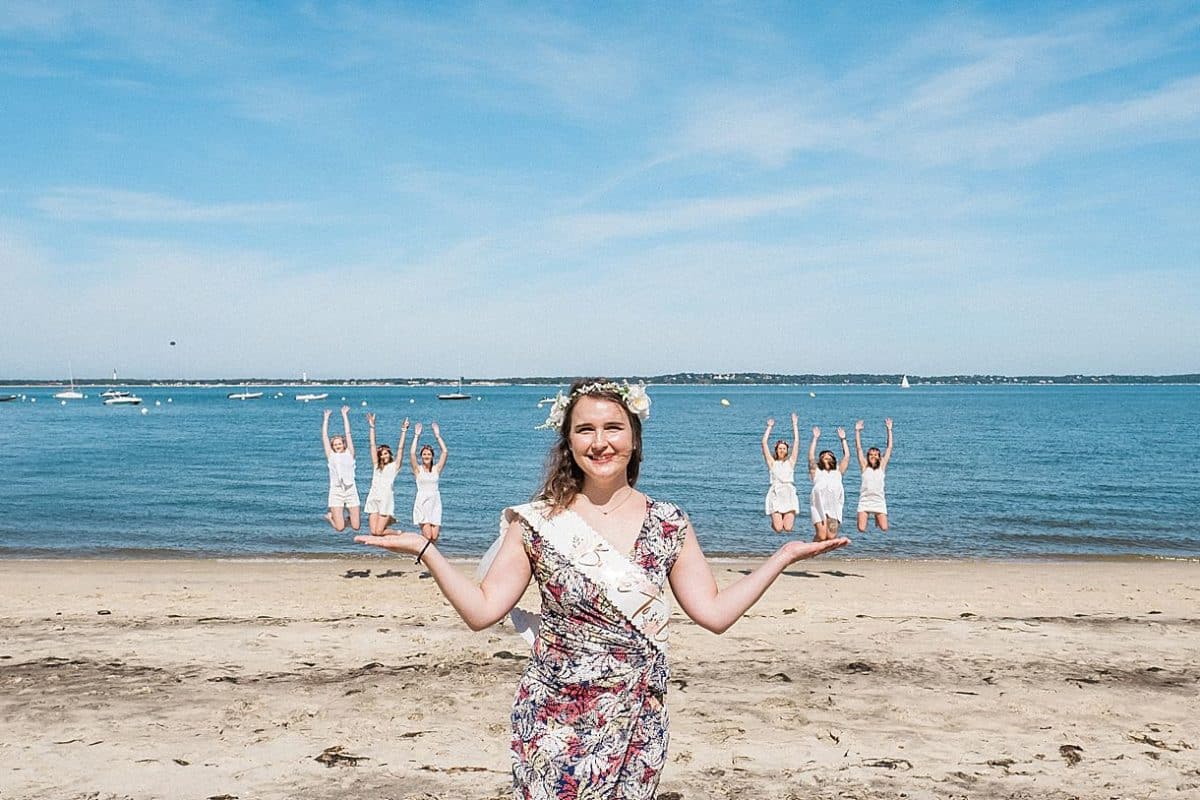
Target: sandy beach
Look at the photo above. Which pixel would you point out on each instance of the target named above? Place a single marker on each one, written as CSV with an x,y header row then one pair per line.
x,y
353,678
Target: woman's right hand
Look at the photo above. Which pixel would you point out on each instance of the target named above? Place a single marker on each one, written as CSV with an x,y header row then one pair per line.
x,y
328,414
816,432
398,542
770,423
417,430
858,426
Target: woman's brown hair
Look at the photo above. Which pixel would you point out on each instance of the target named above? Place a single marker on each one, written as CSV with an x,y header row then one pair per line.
x,y
563,479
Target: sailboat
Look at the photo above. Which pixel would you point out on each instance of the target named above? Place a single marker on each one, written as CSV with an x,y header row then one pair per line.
x,y
455,395
904,382
72,393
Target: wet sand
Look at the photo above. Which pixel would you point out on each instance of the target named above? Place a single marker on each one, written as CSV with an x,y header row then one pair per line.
x,y
353,678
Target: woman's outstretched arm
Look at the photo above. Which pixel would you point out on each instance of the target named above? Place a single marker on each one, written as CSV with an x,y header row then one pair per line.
x,y
325,433
716,609
346,425
437,434
844,464
887,454
374,455
412,451
480,606
812,452
795,454
862,459
766,447
400,447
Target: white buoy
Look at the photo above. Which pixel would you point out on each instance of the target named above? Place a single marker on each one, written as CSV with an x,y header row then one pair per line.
x,y
145,411
812,394
62,402
364,402
33,399
724,402
158,402
168,399
343,398
411,400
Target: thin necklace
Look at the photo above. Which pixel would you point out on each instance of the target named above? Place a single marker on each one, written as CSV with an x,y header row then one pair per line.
x,y
614,508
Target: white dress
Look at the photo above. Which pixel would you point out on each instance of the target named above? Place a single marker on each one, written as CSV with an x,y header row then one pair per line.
x,y
782,497
342,490
382,498
427,507
870,494
828,495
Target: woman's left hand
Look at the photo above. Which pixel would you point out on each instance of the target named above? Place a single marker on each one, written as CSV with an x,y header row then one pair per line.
x,y
798,550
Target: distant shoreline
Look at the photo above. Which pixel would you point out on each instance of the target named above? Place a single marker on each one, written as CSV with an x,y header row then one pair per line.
x,y
673,379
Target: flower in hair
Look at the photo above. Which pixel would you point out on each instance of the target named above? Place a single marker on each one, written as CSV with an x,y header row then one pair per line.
x,y
634,397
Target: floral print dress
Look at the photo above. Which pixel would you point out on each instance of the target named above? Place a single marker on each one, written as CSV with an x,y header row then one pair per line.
x,y
589,719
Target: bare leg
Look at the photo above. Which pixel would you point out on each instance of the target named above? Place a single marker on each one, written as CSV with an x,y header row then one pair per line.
x,y
789,521
434,532
354,519
336,518
376,523
777,522
831,527
820,536
881,522
862,521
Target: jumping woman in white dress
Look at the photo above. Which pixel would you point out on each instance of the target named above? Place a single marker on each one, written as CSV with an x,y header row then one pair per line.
x,y
782,501
427,506
828,494
381,500
871,500
339,454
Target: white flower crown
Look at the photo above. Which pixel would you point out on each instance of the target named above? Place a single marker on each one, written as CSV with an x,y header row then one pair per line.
x,y
634,397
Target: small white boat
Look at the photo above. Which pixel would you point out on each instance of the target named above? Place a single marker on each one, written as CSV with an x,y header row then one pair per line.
x,y
8,398
244,395
459,395
305,398
546,400
904,382
114,393
72,393
123,399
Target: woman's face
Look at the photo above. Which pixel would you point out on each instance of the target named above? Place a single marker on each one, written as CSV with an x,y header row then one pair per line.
x,y
338,444
385,455
873,458
781,451
828,461
426,457
601,439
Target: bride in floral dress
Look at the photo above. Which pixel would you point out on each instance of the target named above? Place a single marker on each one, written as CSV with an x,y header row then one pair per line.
x,y
589,719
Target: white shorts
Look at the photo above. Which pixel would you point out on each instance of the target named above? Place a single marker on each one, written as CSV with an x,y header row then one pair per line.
x,y
343,496
380,503
871,506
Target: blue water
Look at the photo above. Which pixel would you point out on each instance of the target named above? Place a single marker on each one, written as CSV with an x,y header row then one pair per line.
x,y
978,471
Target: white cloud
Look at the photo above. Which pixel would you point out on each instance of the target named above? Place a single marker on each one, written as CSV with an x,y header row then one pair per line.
x,y
118,205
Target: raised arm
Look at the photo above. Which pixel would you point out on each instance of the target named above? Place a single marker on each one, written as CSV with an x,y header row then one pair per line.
x,y
887,454
346,425
325,433
812,452
716,609
862,459
795,451
441,462
412,450
844,463
766,442
374,455
400,447
480,606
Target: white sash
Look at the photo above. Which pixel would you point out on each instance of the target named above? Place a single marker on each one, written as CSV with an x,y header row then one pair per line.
x,y
646,606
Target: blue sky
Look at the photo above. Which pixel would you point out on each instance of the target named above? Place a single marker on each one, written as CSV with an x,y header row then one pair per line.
x,y
367,189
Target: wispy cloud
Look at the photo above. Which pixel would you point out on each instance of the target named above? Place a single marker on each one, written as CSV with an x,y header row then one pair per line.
x,y
117,205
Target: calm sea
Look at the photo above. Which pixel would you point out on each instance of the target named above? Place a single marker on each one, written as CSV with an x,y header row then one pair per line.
x,y
980,471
